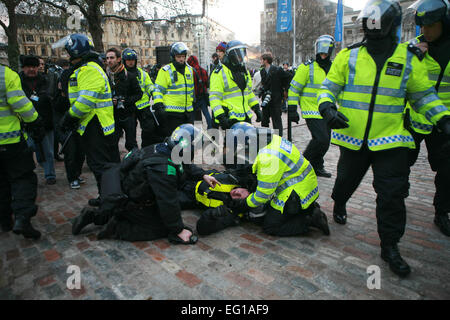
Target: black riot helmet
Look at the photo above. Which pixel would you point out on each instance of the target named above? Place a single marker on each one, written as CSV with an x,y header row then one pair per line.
x,y
431,11
380,18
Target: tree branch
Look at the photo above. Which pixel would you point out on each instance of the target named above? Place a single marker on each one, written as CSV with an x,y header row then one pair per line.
x,y
135,20
4,28
54,5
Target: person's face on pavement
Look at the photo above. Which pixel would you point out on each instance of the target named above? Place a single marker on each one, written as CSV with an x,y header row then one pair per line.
x,y
239,193
111,60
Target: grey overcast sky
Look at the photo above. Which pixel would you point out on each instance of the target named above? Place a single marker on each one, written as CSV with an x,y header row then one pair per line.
x,y
243,16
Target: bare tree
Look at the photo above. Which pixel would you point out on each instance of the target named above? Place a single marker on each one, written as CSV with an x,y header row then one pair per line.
x,y
10,7
311,22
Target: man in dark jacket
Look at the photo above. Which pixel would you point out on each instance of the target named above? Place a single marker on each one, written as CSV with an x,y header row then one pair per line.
x,y
274,83
35,86
201,91
126,92
139,200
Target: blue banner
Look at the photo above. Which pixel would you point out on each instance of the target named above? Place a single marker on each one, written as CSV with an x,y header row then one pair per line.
x,y
417,31
399,34
284,16
339,26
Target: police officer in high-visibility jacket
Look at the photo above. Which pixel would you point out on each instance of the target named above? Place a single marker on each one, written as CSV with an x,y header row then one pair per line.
x,y
303,90
174,91
91,113
285,178
18,182
149,123
434,18
370,82
230,91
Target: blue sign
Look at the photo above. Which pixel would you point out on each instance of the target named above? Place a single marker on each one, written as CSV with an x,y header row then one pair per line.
x,y
339,23
417,31
284,16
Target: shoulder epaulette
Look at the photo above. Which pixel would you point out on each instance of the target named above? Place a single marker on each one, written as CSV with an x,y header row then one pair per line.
x,y
355,45
218,68
419,54
166,67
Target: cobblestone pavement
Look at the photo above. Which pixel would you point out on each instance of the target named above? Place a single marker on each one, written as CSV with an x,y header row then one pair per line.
x,y
238,263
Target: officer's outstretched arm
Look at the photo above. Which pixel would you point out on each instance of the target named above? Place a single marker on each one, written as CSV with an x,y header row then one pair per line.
x,y
297,84
16,97
335,80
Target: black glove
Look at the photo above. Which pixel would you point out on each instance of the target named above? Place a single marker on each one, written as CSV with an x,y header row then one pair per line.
x,y
69,123
333,118
444,125
224,121
145,118
258,113
293,114
238,205
36,129
160,112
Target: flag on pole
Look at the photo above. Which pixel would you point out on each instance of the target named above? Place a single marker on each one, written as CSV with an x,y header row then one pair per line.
x,y
284,16
339,26
399,34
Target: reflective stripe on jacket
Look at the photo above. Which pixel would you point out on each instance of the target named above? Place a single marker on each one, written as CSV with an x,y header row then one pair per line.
x,y
350,84
225,93
147,88
281,169
175,90
304,87
90,95
14,106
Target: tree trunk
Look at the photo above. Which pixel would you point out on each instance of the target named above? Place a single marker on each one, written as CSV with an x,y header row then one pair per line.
x,y
11,32
94,19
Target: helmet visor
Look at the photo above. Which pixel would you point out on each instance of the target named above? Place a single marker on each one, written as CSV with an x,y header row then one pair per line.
x,y
373,11
238,55
324,45
428,12
61,43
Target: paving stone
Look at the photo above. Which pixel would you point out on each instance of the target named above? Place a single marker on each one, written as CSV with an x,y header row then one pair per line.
x,y
53,291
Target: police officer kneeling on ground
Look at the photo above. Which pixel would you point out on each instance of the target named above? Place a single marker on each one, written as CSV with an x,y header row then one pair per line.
x,y
285,178
370,82
139,200
18,182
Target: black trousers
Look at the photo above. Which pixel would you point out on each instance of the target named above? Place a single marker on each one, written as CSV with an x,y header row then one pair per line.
x,y
100,150
208,224
390,181
274,112
128,125
320,142
175,119
18,182
151,132
73,157
439,160
292,222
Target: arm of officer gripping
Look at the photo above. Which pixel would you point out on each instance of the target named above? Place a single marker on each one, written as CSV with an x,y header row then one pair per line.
x,y
92,84
216,93
270,171
161,85
422,95
335,80
17,99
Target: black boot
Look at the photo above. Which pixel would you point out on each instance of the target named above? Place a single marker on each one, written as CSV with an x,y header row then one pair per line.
x,y
23,226
109,232
6,224
86,217
340,213
319,220
442,221
322,173
95,202
391,254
